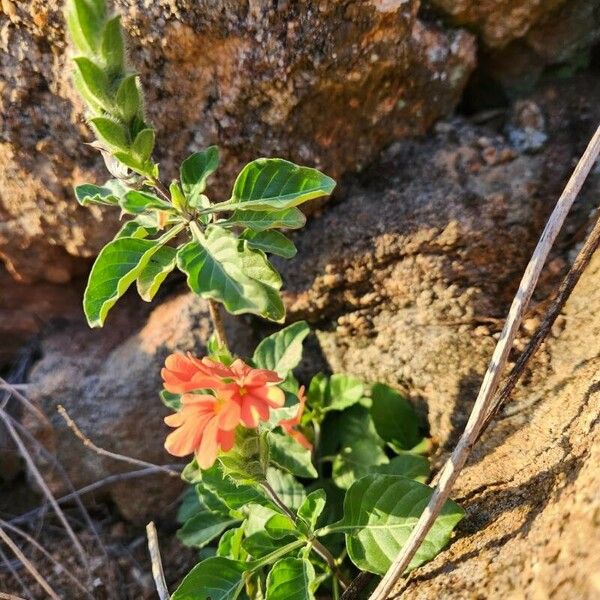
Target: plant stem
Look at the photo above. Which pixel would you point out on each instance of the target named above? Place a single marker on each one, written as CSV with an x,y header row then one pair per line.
x,y
316,545
215,314
162,189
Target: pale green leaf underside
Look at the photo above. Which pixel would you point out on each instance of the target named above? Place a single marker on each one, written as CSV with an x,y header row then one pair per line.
x,y
117,266
286,487
287,453
214,578
380,511
291,579
260,220
204,527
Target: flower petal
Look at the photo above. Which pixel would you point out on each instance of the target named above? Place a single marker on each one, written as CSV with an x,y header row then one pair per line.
x,y
206,454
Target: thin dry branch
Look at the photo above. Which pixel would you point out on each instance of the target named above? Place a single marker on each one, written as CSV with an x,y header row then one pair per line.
x,y
45,552
28,565
157,568
15,575
483,404
13,390
6,419
128,459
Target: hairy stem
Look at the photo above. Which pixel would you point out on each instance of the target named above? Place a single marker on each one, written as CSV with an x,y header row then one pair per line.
x,y
316,545
215,315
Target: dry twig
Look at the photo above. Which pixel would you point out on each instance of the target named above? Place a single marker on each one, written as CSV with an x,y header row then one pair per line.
x,y
128,459
157,568
484,401
28,565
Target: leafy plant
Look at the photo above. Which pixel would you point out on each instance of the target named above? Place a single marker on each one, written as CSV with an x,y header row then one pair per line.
x,y
285,486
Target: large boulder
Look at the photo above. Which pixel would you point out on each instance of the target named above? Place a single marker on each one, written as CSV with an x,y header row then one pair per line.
x,y
108,381
325,84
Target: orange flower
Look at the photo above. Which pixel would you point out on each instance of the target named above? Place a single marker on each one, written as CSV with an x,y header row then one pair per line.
x,y
205,424
289,425
250,388
186,373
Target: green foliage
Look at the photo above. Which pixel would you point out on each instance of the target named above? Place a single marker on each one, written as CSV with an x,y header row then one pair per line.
x,y
282,351
215,578
379,514
289,455
291,579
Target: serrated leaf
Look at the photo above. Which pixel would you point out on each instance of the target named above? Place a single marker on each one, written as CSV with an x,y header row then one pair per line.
x,y
291,579
394,418
270,241
274,183
289,455
112,47
155,272
214,269
215,578
195,171
128,98
344,391
204,527
143,144
411,466
260,220
117,266
286,487
92,82
135,202
282,351
312,507
109,131
231,494
380,512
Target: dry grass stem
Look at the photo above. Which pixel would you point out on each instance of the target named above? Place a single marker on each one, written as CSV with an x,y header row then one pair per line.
x,y
157,568
484,401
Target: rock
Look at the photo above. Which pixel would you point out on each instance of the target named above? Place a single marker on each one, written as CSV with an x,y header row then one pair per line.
x,y
108,381
326,84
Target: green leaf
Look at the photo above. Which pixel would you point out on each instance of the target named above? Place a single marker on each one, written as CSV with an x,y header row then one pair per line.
x,y
170,400
344,391
286,487
117,266
128,98
93,194
135,202
161,263
280,526
318,390
282,351
380,512
289,455
204,527
233,495
230,544
85,20
291,579
112,45
260,220
92,82
312,507
246,463
109,131
411,466
196,169
274,183
214,270
394,417
356,461
141,227
215,578
189,506
192,472
271,241
143,144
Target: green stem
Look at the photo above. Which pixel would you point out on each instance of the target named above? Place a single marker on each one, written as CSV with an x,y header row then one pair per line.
x,y
316,545
277,554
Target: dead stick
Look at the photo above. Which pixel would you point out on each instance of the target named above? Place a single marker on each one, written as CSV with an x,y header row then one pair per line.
x,y
89,444
28,565
219,329
457,460
566,287
157,568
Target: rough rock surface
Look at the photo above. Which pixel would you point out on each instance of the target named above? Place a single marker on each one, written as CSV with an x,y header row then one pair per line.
x,y
412,290
108,381
327,84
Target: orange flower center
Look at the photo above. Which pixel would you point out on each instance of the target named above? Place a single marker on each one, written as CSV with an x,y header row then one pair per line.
x,y
243,391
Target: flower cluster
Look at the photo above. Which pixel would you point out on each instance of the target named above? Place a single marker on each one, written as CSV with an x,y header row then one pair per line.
x,y
215,399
